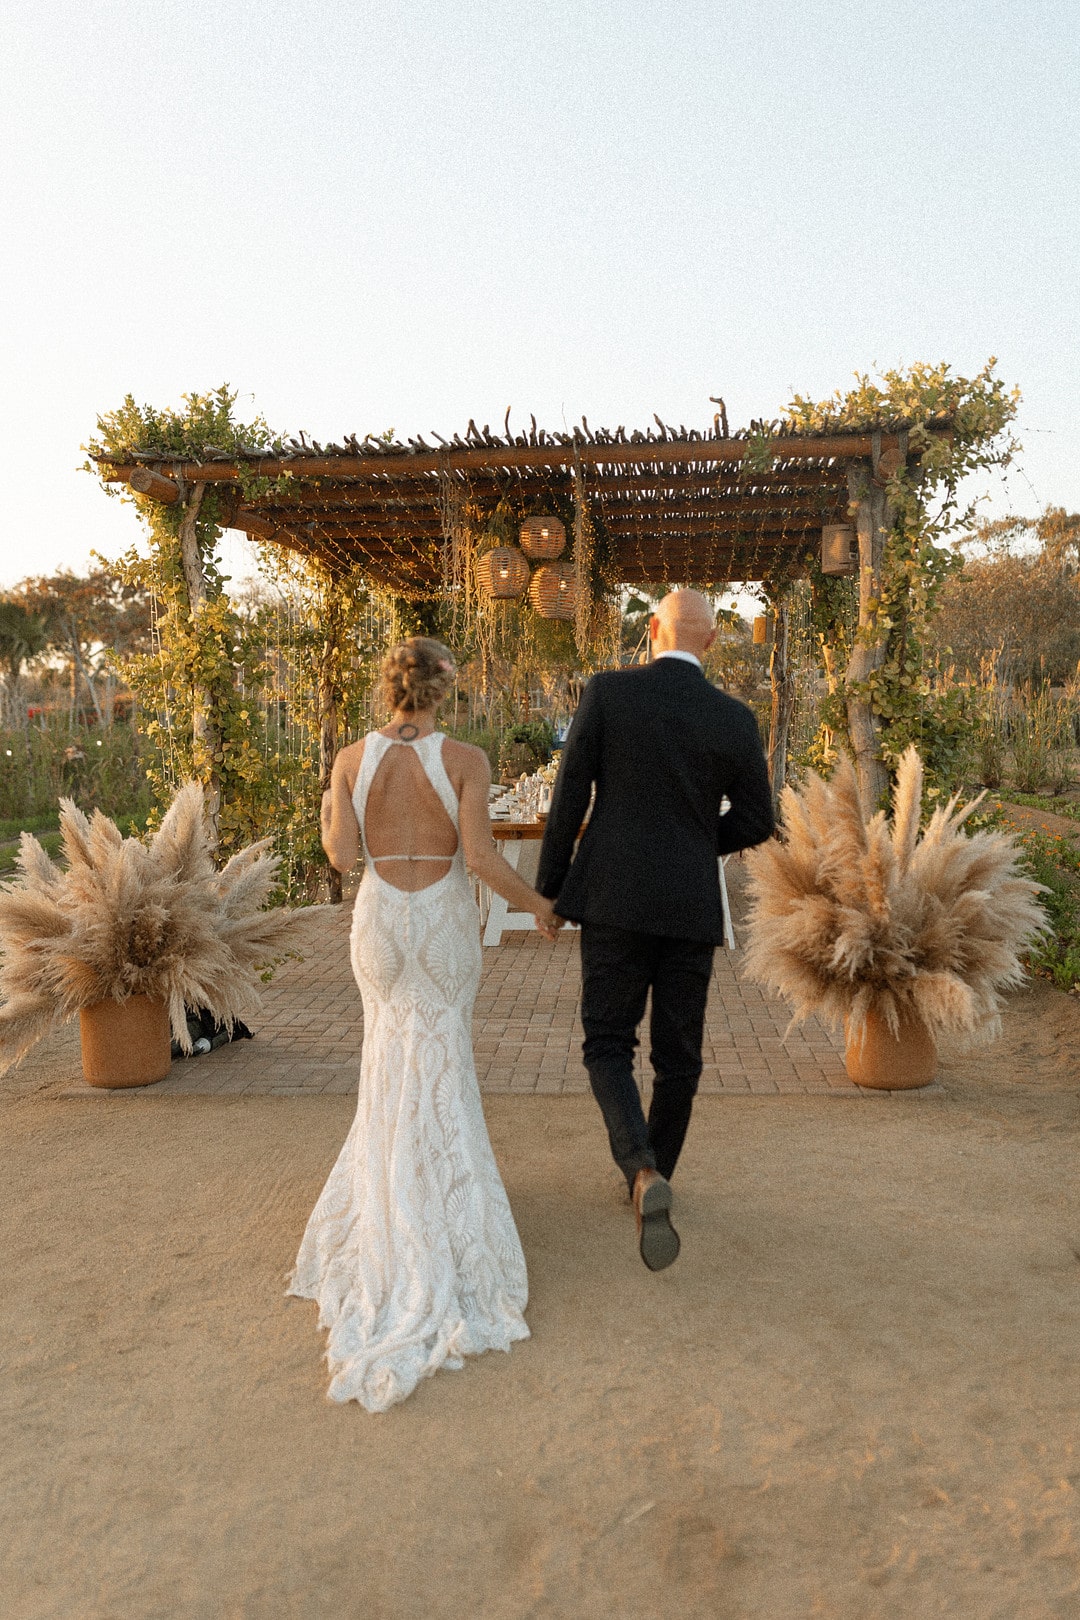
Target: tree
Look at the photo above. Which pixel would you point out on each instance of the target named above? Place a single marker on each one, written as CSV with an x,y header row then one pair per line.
x,y
23,635
907,512
1016,602
91,620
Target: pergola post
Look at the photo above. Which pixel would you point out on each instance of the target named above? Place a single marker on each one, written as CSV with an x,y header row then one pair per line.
x,y
206,739
874,519
782,680
330,693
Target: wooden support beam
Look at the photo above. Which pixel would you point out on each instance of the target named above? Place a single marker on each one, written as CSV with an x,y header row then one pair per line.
x,y
656,452
145,481
255,524
874,518
616,510
797,527
782,682
423,490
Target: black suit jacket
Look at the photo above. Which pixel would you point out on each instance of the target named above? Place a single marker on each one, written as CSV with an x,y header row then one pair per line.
x,y
663,747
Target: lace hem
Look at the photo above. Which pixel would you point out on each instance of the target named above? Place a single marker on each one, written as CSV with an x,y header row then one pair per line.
x,y
386,1371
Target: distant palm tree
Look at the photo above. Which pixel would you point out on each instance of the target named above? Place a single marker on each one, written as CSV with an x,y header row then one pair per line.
x,y
23,635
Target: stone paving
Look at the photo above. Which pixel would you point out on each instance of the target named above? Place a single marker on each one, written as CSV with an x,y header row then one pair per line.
x,y
527,1029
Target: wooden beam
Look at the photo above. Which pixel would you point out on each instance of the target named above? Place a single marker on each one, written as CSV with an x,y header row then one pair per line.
x,y
723,481
145,481
381,495
873,519
253,523
615,508
664,452
628,528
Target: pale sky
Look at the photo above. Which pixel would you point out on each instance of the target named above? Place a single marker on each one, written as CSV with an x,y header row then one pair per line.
x,y
408,214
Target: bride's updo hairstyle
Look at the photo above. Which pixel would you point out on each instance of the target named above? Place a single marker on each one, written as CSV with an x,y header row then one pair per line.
x,y
417,674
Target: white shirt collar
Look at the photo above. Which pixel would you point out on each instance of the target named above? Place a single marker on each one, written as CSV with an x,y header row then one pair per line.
x,y
676,652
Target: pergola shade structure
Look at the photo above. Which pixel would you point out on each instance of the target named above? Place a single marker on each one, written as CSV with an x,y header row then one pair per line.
x,y
674,506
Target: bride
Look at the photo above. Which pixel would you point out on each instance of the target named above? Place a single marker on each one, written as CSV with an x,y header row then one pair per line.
x,y
411,1250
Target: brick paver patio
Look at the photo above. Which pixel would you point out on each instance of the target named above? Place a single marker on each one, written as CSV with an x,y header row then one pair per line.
x,y
527,1029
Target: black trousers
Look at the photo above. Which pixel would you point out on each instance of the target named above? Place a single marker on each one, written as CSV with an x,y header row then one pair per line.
x,y
618,968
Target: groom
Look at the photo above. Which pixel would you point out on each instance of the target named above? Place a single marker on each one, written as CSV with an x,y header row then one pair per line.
x,y
663,747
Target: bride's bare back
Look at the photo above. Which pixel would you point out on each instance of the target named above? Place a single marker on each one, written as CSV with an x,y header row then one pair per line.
x,y
406,828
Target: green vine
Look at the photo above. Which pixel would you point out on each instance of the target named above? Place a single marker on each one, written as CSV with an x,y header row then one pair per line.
x,y
212,659
956,426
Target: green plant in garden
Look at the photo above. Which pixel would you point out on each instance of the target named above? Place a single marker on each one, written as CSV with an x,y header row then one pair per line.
x,y
1055,863
190,686
972,416
536,735
99,767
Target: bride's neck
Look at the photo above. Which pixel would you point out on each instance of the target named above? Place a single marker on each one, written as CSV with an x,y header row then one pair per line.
x,y
408,725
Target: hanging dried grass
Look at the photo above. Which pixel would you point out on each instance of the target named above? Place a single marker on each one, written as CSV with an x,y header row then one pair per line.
x,y
458,548
850,917
583,561
127,918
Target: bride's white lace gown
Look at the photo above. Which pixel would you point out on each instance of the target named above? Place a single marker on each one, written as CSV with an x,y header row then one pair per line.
x,y
411,1251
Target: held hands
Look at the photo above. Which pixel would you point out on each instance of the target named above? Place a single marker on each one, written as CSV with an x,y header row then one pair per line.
x,y
546,920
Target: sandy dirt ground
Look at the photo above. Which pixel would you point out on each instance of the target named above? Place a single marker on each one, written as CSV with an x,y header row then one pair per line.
x,y
854,1396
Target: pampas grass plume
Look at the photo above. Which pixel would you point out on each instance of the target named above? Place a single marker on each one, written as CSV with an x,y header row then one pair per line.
x,y
851,917
124,918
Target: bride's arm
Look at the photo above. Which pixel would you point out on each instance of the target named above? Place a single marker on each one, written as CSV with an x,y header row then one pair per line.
x,y
478,845
340,833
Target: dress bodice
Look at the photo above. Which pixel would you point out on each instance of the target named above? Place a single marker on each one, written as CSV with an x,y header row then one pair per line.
x,y
428,751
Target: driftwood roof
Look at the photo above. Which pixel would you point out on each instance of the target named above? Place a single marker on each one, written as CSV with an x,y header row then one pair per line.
x,y
673,504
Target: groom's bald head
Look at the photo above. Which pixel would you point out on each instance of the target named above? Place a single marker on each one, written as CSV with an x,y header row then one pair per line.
x,y
683,622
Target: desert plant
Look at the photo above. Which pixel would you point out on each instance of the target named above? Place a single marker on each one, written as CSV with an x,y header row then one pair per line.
x,y
1036,734
130,918
851,918
1055,862
991,734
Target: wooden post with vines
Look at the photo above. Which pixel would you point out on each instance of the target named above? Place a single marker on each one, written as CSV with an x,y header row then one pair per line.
x,y
874,520
330,695
782,680
205,734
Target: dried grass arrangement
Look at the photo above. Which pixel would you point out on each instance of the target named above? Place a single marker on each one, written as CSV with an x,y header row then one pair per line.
x,y
853,920
131,918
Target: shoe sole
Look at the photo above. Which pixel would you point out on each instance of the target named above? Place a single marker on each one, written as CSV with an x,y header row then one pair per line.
x,y
659,1241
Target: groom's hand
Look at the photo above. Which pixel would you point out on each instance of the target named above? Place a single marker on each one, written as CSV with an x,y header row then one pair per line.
x,y
547,922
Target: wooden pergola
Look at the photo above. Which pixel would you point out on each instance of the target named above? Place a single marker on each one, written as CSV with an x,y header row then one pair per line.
x,y
675,505
672,506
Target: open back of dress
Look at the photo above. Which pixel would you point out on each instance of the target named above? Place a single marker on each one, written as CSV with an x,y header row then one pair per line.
x,y
409,831
411,1250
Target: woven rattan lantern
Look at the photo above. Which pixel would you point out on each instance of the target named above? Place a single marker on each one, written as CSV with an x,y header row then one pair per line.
x,y
553,591
502,573
543,538
839,549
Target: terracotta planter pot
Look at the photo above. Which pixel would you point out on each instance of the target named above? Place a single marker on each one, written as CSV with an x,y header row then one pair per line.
x,y
125,1043
891,1062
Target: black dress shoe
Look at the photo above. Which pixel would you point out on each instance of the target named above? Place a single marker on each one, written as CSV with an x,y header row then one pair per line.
x,y
658,1240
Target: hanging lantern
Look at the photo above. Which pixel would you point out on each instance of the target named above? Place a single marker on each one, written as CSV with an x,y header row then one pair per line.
x,y
839,549
553,591
502,573
761,631
543,538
